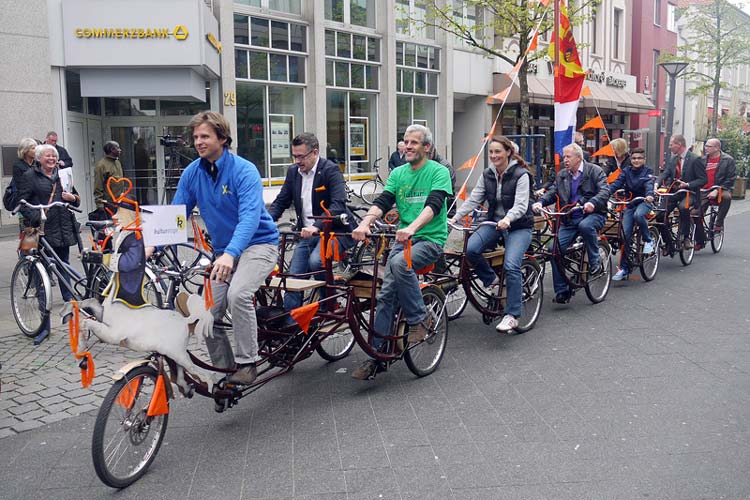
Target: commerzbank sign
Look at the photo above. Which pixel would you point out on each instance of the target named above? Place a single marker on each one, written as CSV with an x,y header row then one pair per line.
x,y
179,32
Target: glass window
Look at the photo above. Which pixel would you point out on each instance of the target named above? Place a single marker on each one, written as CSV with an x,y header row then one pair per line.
x,y
359,50
363,12
334,10
241,30
432,83
251,3
424,110
240,63
286,110
336,118
343,44
373,49
420,83
330,43
399,53
278,67
298,37
403,115
371,77
408,85
259,32
398,79
329,72
342,74
358,76
362,131
251,124
130,107
182,108
296,69
258,65
94,105
73,91
291,6
279,35
410,57
402,17
422,51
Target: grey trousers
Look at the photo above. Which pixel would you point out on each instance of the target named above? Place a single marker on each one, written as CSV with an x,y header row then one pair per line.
x,y
251,270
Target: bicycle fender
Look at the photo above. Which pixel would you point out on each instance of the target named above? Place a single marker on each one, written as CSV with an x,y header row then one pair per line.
x,y
47,284
126,369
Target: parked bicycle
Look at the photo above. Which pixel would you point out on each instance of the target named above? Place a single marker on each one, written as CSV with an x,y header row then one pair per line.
x,y
370,189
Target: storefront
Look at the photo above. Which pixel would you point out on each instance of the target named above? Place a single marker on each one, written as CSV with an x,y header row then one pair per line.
x,y
138,81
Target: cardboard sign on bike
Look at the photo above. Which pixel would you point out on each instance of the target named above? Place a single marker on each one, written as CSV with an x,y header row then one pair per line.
x,y
165,225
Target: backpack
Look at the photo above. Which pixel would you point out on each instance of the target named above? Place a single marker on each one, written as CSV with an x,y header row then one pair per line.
x,y
9,197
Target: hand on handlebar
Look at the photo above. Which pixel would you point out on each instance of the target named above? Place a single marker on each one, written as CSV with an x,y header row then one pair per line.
x,y
503,224
650,199
536,207
403,235
309,232
222,268
588,207
362,232
149,251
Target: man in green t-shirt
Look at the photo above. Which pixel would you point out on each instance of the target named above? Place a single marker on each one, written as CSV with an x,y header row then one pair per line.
x,y
418,189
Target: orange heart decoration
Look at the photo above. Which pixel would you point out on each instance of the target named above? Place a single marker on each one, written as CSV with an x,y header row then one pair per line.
x,y
119,180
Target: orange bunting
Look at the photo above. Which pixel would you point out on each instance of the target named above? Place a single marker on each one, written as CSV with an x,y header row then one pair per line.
x,y
534,43
469,163
462,193
595,122
127,395
585,91
492,132
516,68
500,96
304,314
87,363
605,151
612,177
158,405
544,2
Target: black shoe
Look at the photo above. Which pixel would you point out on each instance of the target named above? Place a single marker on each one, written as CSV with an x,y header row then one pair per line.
x,y
368,370
245,375
596,270
562,298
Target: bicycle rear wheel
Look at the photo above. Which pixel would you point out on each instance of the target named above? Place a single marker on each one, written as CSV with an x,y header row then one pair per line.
x,y
370,190
456,299
424,357
533,295
598,286
686,256
126,439
29,296
650,263
717,237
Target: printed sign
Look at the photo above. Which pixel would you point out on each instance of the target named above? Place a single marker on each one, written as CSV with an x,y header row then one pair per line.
x,y
281,138
357,139
166,225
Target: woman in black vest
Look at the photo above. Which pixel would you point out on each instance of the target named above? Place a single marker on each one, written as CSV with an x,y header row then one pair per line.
x,y
505,189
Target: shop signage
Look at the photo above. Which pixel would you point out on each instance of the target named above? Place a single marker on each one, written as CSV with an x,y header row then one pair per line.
x,y
179,32
609,80
214,42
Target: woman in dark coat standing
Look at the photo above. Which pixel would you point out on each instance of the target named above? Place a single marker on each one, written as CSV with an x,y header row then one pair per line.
x,y
23,164
41,185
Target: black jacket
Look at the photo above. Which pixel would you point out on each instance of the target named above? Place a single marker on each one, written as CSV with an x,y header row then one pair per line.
x,y
726,172
593,187
328,186
59,230
693,172
64,157
612,164
396,160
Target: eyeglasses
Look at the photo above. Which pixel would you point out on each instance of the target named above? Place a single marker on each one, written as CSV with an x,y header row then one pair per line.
x,y
637,158
302,157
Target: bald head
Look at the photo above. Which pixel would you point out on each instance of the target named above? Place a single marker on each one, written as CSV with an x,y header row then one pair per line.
x,y
713,148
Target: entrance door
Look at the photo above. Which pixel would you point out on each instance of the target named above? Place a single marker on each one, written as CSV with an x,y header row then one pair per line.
x,y
84,143
138,160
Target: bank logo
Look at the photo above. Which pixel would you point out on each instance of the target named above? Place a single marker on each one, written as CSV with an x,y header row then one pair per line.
x,y
225,189
181,222
180,32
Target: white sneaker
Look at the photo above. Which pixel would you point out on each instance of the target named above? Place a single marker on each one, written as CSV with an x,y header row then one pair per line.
x,y
507,324
648,247
621,275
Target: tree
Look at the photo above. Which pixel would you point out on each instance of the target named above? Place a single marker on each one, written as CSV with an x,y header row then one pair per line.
x,y
718,38
511,21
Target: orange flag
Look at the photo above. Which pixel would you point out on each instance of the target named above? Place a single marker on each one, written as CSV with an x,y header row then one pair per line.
x,y
585,91
544,2
303,315
500,96
492,132
516,68
127,395
605,151
462,193
158,405
612,177
469,163
534,43
595,122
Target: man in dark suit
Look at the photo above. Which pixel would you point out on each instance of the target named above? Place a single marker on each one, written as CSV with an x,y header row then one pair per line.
x,y
310,180
398,157
64,161
583,184
581,141
720,171
684,170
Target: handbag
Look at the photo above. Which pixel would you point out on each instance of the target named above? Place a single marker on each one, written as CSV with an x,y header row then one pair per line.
x,y
29,238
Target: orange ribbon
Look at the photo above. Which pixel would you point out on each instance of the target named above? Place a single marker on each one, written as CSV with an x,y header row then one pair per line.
x,y
407,253
208,294
333,248
199,242
74,329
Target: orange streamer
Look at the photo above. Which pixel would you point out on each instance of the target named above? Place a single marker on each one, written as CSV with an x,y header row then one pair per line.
x,y
407,253
158,405
605,151
208,293
303,315
612,177
127,395
74,330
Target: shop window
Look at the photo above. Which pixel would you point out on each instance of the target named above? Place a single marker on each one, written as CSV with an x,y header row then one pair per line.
x,y
73,91
129,107
414,110
94,106
182,108
351,131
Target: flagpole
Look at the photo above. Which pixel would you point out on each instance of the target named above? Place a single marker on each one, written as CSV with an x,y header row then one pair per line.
x,y
556,66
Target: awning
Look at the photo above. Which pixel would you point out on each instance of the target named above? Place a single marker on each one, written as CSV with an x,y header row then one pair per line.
x,y
541,91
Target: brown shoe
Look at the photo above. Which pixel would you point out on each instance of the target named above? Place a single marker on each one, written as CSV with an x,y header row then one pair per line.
x,y
368,370
687,244
245,375
418,332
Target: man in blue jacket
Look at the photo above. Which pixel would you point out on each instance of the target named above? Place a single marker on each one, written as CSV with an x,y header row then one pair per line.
x,y
228,191
311,180
637,180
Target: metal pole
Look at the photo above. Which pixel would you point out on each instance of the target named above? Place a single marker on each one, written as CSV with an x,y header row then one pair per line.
x,y
670,118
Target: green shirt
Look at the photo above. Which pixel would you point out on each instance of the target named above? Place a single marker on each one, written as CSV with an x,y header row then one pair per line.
x,y
411,188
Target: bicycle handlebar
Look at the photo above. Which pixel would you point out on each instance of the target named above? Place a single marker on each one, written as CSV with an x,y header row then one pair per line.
x,y
473,227
679,191
63,204
712,188
567,212
615,201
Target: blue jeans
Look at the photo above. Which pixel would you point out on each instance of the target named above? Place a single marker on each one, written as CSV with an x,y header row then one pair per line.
x,y
401,287
306,259
486,238
632,216
587,226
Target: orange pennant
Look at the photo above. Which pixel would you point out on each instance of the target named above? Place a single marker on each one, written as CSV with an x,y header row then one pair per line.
x,y
595,122
534,43
158,405
492,132
304,314
468,163
127,395
605,151
462,193
500,96
585,91
516,68
544,2
612,177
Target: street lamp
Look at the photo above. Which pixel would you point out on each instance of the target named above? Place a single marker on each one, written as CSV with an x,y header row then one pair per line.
x,y
673,69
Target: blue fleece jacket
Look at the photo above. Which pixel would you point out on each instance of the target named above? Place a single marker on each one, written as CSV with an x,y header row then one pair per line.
x,y
638,182
232,206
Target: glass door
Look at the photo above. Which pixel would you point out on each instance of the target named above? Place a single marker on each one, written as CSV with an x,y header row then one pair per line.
x,y
138,160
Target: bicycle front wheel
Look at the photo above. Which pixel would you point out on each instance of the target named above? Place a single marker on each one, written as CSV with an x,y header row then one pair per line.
x,y
28,297
717,237
533,294
686,255
456,299
598,286
424,357
650,262
126,439
370,190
